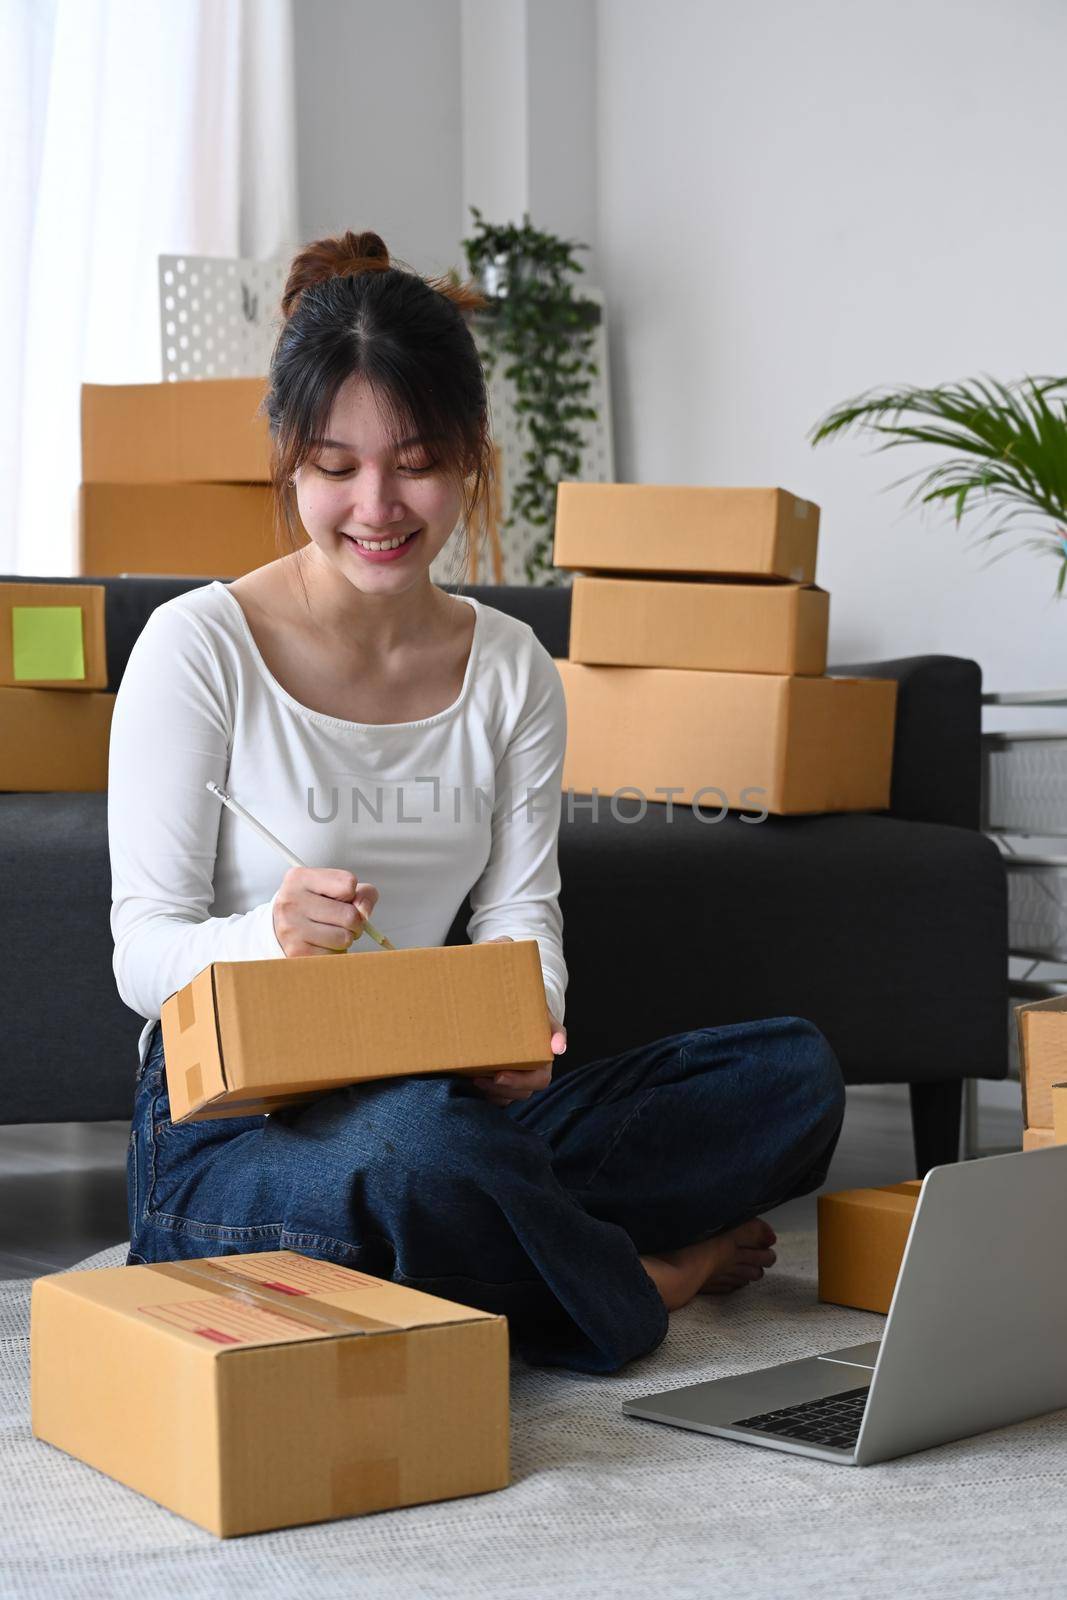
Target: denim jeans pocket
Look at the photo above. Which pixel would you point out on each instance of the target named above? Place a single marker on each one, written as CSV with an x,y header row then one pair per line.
x,y
153,1058
183,1198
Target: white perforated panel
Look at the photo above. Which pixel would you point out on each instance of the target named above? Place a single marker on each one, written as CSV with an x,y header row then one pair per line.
x,y
219,318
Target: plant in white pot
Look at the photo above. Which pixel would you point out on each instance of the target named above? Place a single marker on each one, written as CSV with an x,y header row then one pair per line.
x,y
1008,460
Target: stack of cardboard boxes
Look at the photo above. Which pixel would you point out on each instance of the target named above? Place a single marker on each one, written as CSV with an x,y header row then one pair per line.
x,y
175,479
698,654
55,712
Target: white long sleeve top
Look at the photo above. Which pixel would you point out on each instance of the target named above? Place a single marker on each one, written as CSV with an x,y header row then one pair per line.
x,y
466,800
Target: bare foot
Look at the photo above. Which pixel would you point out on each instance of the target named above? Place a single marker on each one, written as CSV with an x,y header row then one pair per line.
x,y
747,1251
713,1266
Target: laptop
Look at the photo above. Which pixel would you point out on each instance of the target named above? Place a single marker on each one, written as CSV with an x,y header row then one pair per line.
x,y
974,1338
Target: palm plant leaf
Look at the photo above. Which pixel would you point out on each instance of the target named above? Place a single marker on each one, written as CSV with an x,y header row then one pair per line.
x,y
1009,451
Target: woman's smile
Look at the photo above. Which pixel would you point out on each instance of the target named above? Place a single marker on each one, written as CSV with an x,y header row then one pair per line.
x,y
382,549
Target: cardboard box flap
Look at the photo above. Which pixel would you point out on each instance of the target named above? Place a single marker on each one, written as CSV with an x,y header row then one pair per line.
x,y
223,1303
193,1008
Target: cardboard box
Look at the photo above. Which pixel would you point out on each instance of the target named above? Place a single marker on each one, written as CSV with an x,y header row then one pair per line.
x,y
246,1037
1042,1026
198,530
51,740
746,740
643,527
862,1234
205,431
248,1392
52,636
704,626
1039,1138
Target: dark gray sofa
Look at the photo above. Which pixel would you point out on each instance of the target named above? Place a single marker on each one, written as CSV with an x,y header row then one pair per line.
x,y
888,929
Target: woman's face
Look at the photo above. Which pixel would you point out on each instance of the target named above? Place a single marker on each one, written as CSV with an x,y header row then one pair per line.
x,y
355,486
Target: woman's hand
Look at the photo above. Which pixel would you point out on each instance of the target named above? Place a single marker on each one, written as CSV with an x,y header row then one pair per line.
x,y
502,1088
319,909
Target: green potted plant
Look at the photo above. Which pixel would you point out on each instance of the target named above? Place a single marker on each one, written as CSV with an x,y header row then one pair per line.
x,y
1009,452
534,322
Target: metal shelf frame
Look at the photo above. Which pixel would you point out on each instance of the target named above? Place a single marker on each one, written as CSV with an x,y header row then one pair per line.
x,y
1001,743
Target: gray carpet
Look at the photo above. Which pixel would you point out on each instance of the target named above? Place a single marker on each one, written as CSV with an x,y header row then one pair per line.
x,y
600,1505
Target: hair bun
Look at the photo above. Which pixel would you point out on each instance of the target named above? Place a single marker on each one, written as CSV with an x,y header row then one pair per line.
x,y
339,257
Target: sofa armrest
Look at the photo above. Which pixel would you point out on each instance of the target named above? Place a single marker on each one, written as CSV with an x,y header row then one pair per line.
x,y
937,747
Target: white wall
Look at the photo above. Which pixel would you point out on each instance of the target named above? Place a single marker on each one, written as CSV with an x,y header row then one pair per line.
x,y
787,205
379,124
529,115
798,202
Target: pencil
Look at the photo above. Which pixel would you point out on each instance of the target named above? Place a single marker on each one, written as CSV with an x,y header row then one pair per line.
x,y
293,860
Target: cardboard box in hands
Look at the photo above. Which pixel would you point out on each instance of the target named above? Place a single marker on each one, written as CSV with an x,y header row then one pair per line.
x,y
247,1037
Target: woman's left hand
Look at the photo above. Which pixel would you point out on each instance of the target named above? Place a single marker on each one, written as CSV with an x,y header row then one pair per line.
x,y
502,1088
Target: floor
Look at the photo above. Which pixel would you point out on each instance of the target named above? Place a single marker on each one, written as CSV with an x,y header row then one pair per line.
x,y
63,1185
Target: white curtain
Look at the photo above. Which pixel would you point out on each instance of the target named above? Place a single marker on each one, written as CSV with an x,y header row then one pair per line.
x,y
128,129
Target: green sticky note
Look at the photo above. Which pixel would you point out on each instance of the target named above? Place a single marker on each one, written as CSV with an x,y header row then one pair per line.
x,y
46,642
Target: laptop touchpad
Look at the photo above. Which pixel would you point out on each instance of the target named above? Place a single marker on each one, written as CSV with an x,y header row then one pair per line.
x,y
855,1355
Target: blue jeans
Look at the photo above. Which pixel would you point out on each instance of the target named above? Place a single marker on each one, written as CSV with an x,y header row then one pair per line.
x,y
538,1211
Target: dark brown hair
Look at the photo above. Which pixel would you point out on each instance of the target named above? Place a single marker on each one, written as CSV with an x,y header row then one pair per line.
x,y
350,311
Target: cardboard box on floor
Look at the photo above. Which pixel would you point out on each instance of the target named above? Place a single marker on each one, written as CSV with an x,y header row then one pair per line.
x,y
203,431
52,636
668,528
1042,1026
723,626
199,530
250,1392
53,740
862,1234
791,744
248,1037
1039,1138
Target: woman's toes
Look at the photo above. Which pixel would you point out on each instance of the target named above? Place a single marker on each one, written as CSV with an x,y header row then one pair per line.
x,y
754,1235
757,1258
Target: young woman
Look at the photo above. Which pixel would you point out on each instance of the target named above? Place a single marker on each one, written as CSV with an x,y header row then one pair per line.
x,y
364,714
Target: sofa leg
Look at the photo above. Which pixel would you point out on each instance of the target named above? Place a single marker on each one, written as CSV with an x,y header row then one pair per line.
x,y
935,1122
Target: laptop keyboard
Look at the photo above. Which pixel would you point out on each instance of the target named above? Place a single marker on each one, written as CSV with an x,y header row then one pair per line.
x,y
834,1420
